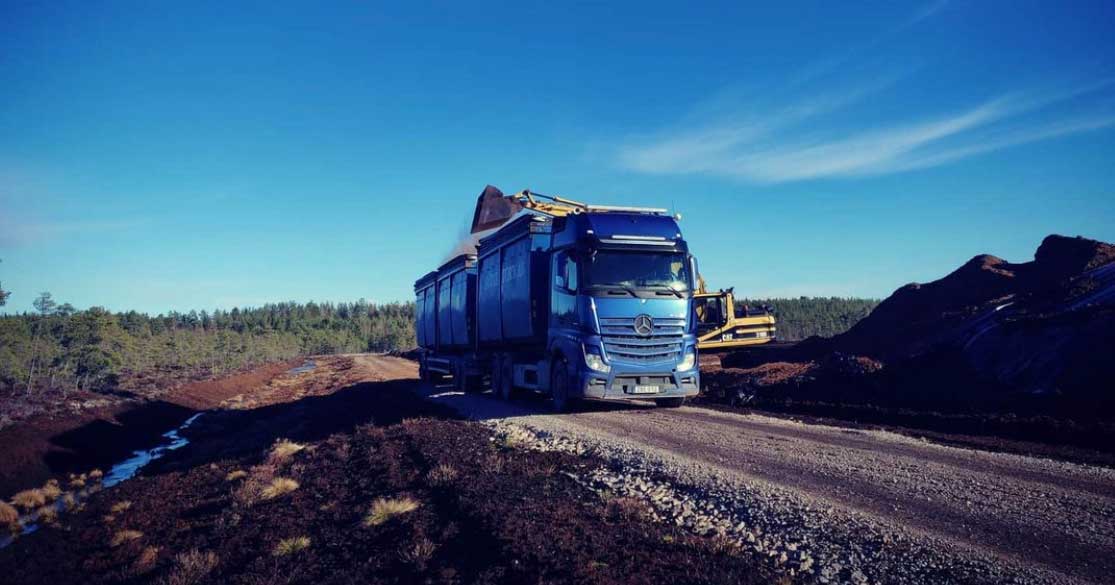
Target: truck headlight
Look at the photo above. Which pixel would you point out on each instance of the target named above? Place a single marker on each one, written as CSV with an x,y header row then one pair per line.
x,y
689,360
595,361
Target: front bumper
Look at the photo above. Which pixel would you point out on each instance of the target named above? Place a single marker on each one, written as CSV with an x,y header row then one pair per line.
x,y
620,384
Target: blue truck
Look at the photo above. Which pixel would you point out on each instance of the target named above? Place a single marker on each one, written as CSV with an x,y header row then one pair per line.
x,y
567,299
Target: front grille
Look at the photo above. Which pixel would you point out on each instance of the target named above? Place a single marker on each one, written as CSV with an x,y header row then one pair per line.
x,y
622,343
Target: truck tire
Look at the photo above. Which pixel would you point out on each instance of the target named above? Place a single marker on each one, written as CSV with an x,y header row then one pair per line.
x,y
559,386
669,402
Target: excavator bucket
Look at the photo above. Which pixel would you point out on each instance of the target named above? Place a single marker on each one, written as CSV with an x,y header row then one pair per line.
x,y
493,209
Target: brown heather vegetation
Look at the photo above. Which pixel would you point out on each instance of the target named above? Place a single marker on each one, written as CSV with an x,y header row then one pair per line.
x,y
191,568
145,562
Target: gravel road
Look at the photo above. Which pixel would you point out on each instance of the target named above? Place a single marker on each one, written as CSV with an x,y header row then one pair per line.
x,y
830,504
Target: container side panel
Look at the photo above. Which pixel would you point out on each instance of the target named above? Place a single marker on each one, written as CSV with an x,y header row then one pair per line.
x,y
489,313
430,322
419,318
444,318
458,307
515,286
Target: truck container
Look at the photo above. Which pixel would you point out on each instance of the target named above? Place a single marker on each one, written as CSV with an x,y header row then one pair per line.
x,y
590,302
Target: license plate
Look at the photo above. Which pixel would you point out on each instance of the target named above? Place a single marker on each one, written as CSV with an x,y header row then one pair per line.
x,y
640,389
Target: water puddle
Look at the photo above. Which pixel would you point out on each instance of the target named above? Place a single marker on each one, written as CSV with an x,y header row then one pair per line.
x,y
120,472
309,365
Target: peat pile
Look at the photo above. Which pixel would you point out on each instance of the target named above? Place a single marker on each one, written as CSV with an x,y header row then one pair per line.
x,y
1034,339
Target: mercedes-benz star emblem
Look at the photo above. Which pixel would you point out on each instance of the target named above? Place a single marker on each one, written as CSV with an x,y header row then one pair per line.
x,y
644,325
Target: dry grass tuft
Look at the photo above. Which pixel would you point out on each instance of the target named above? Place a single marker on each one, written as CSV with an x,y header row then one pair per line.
x,y
284,449
289,546
145,562
123,536
77,482
96,475
419,553
278,487
191,568
121,506
384,509
69,501
442,474
236,474
9,516
29,499
48,514
51,490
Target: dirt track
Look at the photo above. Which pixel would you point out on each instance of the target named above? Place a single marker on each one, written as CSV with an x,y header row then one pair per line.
x,y
867,506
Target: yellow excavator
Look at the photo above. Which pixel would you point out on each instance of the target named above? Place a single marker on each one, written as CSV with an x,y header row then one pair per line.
x,y
721,325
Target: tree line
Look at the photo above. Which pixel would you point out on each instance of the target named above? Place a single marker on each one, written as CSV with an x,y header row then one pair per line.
x,y
57,347
808,316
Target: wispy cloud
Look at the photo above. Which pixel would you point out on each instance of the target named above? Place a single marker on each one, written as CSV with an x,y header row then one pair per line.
x,y
782,146
810,138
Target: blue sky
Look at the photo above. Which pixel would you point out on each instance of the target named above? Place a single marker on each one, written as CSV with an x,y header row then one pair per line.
x,y
157,156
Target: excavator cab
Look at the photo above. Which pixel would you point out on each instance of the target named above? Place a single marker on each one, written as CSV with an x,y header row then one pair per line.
x,y
722,325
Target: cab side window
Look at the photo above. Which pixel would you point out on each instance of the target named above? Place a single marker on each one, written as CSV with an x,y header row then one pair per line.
x,y
566,272
570,273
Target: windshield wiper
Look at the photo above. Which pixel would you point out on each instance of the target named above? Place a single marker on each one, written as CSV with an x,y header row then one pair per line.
x,y
677,293
623,287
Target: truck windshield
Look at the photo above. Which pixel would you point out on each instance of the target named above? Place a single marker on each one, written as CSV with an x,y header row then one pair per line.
x,y
637,270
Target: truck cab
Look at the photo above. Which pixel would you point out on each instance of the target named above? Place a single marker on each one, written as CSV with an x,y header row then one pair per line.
x,y
621,322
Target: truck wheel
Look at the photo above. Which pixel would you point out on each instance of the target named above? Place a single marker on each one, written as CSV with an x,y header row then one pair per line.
x,y
669,402
506,387
559,387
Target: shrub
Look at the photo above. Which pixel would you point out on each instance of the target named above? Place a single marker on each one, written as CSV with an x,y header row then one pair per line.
x,y
278,487
288,546
69,501
96,475
191,568
29,499
236,474
121,506
123,536
384,509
